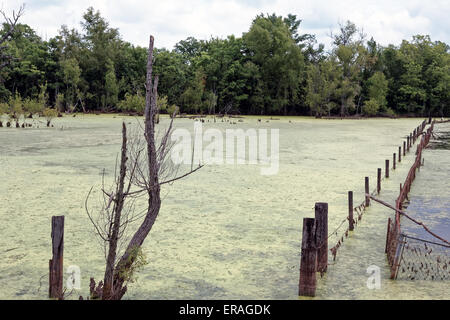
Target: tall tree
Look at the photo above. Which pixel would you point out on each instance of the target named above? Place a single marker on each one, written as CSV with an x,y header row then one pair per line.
x,y
102,44
111,87
351,56
322,81
273,49
71,73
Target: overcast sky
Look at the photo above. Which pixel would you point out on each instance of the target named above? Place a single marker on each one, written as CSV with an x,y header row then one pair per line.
x,y
388,21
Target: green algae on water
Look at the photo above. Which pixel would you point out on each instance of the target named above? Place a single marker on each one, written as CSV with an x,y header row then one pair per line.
x,y
225,232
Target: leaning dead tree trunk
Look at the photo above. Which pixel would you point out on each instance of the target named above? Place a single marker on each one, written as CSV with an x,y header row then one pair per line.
x,y
144,173
153,189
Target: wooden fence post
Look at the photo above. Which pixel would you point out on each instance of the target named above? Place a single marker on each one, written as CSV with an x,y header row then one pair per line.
x,y
407,143
378,180
394,158
321,216
387,235
399,154
350,211
404,148
307,283
399,244
367,191
387,169
56,263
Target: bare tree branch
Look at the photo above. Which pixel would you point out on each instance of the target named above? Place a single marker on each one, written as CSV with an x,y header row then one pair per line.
x,y
11,23
140,174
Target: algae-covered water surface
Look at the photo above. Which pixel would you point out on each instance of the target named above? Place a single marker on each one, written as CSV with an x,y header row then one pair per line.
x,y
226,231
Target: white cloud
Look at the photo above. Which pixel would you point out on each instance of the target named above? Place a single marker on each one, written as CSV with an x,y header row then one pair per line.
x,y
173,20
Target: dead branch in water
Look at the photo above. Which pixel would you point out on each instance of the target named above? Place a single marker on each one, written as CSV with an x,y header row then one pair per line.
x,y
408,217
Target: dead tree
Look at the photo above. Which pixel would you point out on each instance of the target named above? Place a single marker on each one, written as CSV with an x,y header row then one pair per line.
x,y
11,24
143,169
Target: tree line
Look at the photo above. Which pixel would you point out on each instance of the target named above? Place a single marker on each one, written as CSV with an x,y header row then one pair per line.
x,y
271,69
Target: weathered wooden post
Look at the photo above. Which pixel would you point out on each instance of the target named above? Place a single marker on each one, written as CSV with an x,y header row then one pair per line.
x,y
56,263
378,180
307,283
394,158
399,154
387,169
400,242
321,216
407,143
404,148
351,226
387,235
367,191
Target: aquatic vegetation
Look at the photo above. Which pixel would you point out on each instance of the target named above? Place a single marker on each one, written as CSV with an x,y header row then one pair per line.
x,y
226,232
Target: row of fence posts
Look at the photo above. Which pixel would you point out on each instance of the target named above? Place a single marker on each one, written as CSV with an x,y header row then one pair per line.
x,y
314,255
310,263
394,237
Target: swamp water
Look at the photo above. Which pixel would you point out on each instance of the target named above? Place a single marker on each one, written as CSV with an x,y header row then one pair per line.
x,y
225,232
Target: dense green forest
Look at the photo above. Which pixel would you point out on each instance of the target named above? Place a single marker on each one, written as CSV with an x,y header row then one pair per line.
x,y
272,69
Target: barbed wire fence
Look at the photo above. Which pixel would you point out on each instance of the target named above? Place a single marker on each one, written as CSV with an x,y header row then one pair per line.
x,y
408,257
423,260
361,208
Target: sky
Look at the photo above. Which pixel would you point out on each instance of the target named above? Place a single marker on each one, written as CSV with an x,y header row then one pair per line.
x,y
388,21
